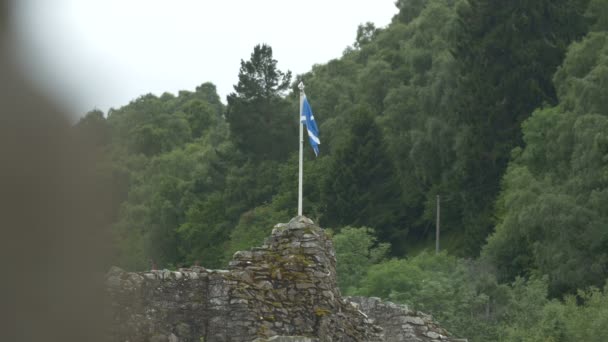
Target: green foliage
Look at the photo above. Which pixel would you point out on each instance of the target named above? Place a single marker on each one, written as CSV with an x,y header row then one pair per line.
x,y
580,80
249,185
259,117
507,53
151,125
286,196
360,188
253,227
465,298
441,285
456,98
161,179
587,322
357,249
94,127
532,317
598,14
409,9
405,76
551,207
166,192
365,34
205,232
259,77
524,319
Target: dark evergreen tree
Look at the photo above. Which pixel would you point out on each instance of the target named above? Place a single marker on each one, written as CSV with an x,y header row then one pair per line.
x,y
262,123
552,216
508,52
360,187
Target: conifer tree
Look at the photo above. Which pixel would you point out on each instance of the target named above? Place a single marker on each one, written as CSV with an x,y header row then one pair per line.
x,y
508,52
258,115
360,187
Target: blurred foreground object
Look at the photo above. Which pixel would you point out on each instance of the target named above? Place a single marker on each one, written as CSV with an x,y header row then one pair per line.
x,y
50,235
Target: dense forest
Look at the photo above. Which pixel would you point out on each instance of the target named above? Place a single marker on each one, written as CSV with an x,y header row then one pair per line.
x,y
498,107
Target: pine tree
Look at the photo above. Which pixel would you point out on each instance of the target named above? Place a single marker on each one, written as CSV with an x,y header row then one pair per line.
x,y
360,188
508,52
258,115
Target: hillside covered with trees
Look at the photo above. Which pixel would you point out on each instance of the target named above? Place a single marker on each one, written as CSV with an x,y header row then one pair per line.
x,y
499,107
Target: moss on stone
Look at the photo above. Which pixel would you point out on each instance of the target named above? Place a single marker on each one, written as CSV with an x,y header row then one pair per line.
x,y
262,331
320,312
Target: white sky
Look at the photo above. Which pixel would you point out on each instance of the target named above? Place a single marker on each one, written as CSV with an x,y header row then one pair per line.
x,y
105,53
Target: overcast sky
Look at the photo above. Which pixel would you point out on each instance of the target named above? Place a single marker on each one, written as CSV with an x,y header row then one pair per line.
x,y
105,53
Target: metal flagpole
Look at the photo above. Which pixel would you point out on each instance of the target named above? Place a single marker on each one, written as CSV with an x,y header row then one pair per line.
x,y
301,178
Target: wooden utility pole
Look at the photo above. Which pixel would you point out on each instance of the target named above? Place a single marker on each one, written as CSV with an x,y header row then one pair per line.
x,y
437,226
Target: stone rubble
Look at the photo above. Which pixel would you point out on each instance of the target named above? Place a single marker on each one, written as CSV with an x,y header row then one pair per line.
x,y
285,290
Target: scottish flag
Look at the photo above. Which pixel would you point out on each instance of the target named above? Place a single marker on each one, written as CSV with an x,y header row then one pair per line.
x,y
308,119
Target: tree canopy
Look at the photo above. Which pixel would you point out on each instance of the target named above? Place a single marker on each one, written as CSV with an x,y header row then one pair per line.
x,y
498,107
257,112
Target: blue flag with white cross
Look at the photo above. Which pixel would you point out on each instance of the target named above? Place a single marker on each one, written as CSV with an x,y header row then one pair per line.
x,y
308,119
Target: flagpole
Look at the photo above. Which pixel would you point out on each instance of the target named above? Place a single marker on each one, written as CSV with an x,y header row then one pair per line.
x,y
301,170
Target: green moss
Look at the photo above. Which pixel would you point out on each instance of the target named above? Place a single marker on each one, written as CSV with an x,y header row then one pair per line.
x,y
309,230
320,312
285,265
274,272
263,331
300,259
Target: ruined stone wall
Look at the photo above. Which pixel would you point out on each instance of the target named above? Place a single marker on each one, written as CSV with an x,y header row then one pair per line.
x,y
287,287
190,305
400,323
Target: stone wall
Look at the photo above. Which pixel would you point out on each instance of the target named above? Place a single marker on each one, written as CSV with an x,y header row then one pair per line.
x,y
287,287
400,323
